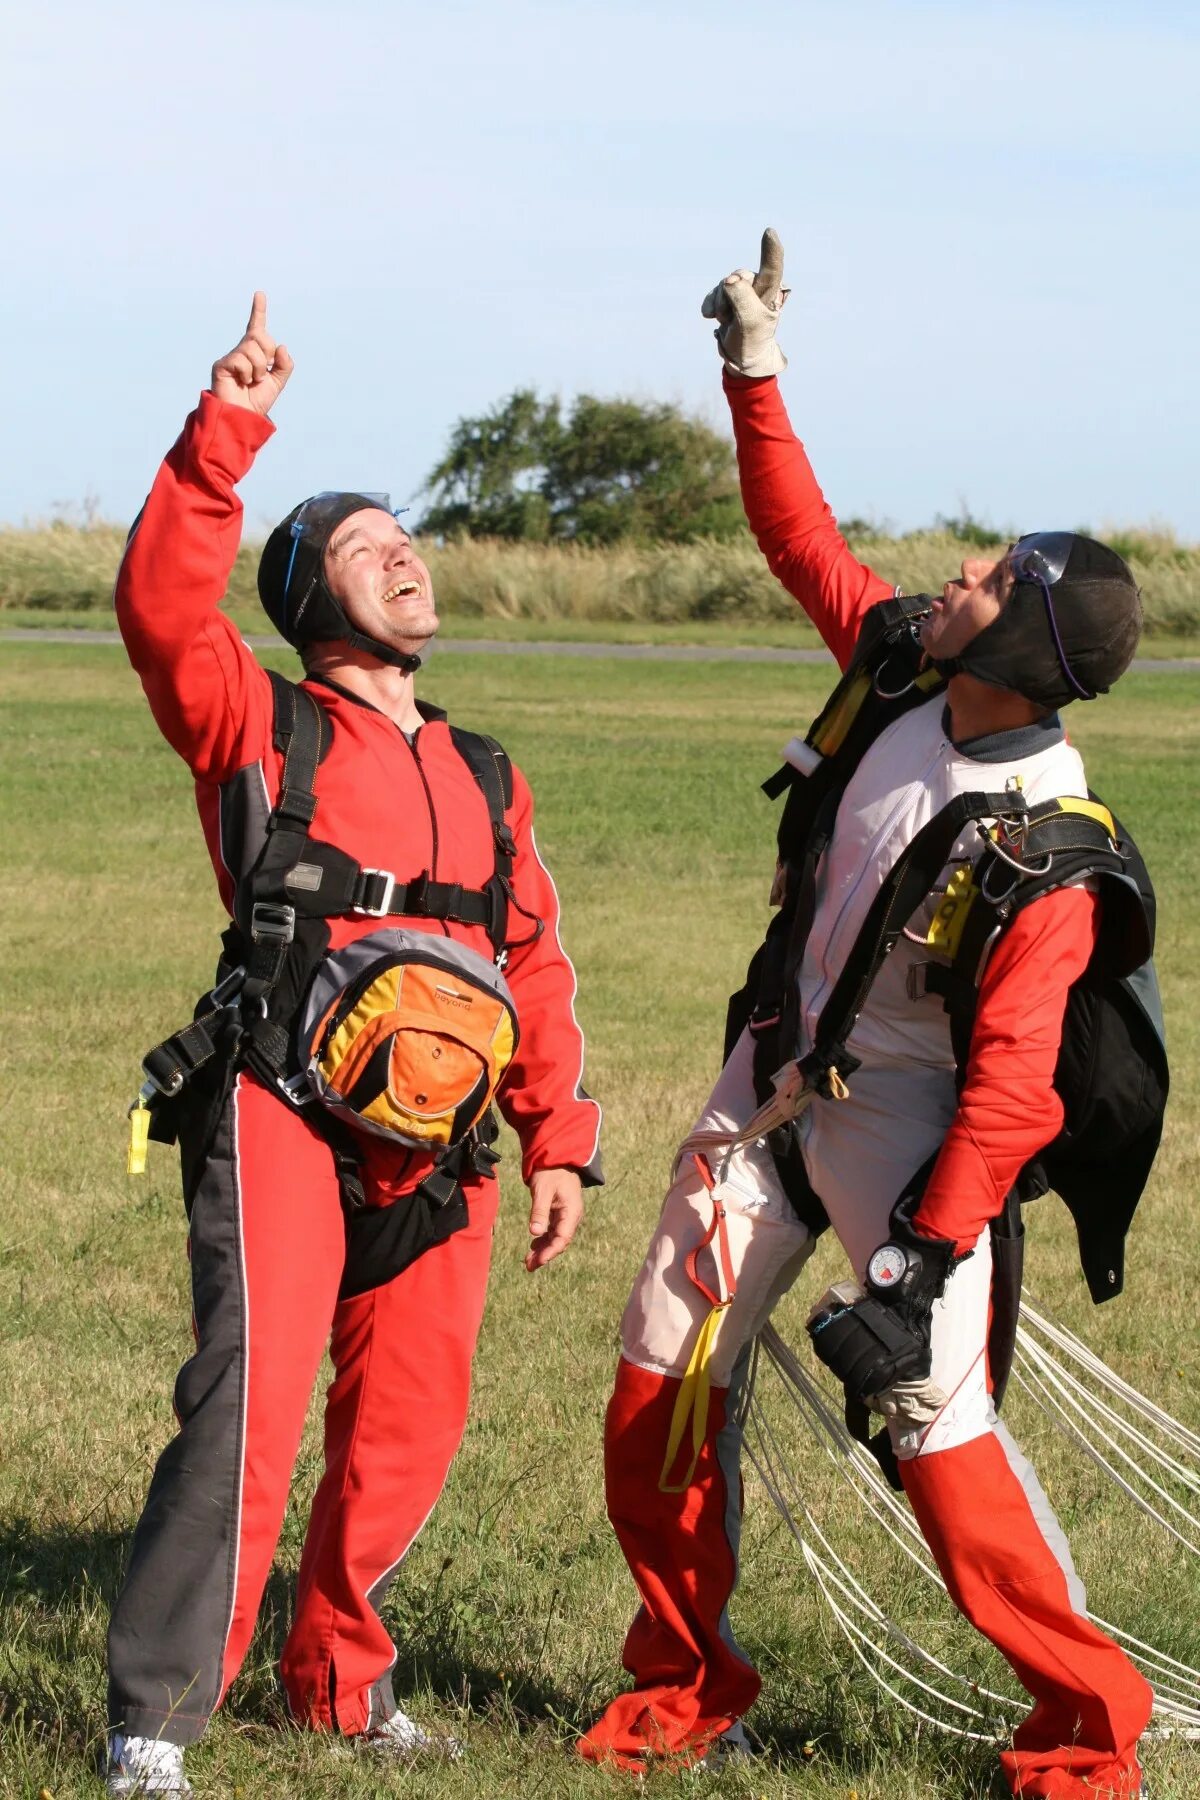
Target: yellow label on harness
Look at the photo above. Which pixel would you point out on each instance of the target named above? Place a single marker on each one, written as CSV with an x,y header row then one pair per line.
x,y
946,927
139,1137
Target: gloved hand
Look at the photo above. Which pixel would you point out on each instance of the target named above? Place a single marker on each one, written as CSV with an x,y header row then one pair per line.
x,y
878,1343
746,308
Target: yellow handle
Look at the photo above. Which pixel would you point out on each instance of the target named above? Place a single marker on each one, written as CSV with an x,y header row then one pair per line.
x,y
139,1137
692,1401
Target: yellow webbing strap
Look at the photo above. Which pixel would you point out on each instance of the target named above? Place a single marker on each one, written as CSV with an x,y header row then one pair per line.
x,y
692,1403
1090,809
696,1387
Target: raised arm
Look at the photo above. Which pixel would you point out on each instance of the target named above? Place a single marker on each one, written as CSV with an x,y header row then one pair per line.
x,y
786,509
209,696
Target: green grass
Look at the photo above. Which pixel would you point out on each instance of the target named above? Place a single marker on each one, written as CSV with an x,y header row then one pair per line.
x,y
510,1610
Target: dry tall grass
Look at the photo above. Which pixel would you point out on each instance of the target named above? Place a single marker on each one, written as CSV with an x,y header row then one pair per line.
x,y
63,568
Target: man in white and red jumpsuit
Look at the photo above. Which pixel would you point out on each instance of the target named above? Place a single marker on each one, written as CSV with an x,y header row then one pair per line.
x,y
987,1522
266,1221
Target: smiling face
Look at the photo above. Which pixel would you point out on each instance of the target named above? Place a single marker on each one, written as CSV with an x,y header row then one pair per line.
x,y
379,580
967,606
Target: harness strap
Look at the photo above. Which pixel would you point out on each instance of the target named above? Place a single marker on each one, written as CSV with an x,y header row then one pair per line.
x,y
910,880
692,1401
884,680
170,1063
490,765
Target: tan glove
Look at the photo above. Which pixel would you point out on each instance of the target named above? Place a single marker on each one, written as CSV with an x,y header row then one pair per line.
x,y
914,1403
746,308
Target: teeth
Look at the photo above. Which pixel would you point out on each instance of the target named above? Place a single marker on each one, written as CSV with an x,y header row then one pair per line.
x,y
402,589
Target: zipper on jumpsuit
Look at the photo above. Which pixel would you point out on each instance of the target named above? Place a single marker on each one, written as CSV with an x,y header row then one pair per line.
x,y
433,830
812,1010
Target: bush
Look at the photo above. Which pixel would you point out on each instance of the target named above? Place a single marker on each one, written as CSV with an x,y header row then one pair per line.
x,y
64,568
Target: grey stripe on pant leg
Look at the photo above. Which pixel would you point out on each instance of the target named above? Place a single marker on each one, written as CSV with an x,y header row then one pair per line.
x,y
170,1624
729,1460
1043,1514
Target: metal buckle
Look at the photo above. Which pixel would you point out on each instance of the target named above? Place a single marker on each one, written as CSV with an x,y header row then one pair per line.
x,y
227,991
916,980
295,1089
272,922
389,890
152,1085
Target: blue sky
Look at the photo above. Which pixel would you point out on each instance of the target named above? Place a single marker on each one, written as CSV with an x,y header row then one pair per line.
x,y
990,213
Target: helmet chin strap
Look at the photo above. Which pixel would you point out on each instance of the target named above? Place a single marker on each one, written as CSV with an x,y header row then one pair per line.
x,y
385,653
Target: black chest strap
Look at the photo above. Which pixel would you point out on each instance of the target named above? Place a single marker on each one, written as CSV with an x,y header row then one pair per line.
x,y
300,881
910,880
300,876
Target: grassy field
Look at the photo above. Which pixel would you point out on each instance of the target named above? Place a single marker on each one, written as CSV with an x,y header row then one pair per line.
x,y
510,1610
50,573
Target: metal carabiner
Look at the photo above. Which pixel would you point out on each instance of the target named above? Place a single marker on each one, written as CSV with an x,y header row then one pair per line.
x,y
1024,870
985,888
886,693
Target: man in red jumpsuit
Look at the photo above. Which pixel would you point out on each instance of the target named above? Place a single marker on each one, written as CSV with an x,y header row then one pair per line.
x,y
266,1220
1015,650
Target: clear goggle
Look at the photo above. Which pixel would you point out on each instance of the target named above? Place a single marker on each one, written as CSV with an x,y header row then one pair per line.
x,y
323,512
1041,558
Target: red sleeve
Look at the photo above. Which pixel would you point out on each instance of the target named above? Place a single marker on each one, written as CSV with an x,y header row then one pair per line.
x,y
788,514
1008,1109
210,698
543,1098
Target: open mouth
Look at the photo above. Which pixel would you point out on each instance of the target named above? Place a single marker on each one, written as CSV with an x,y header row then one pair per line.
x,y
403,590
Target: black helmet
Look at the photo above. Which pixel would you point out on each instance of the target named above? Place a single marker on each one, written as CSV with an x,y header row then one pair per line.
x,y
1069,628
291,578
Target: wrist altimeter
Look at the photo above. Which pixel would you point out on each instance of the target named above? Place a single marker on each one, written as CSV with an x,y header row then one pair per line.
x,y
887,1268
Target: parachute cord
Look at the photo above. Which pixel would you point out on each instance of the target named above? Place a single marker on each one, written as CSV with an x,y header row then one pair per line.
x,y
1177,1696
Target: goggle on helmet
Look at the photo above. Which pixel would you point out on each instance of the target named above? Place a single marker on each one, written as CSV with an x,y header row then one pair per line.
x,y
1069,628
291,576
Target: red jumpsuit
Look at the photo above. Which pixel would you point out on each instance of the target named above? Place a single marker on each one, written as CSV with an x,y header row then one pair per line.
x,y
988,1524
266,1237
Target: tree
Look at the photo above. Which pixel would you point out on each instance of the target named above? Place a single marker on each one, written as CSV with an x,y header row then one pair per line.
x,y
612,470
488,482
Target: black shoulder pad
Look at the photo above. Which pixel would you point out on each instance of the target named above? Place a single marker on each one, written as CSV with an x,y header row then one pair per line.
x,y
491,766
881,621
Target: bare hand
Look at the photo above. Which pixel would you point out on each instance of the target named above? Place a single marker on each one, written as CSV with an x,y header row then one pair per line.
x,y
255,372
554,1215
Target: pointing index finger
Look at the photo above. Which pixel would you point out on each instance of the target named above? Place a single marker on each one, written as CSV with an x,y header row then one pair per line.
x,y
769,279
257,322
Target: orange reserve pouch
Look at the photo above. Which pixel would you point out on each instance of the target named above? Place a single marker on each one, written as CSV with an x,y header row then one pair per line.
x,y
407,1036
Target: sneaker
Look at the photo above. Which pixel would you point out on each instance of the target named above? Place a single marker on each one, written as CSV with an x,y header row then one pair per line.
x,y
403,1739
138,1765
733,1746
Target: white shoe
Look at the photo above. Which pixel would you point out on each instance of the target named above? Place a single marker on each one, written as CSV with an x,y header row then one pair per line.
x,y
138,1765
402,1738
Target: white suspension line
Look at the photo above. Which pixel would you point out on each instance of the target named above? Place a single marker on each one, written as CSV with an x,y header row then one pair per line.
x,y
1065,1340
1176,1703
1072,1388
1042,1393
766,1465
859,1641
